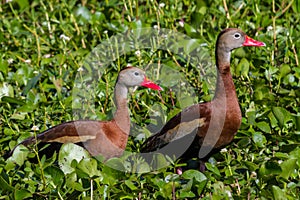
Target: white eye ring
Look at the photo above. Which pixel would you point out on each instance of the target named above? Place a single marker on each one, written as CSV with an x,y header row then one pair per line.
x,y
136,73
237,36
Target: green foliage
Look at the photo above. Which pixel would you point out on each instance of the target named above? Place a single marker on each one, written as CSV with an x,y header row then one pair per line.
x,y
44,44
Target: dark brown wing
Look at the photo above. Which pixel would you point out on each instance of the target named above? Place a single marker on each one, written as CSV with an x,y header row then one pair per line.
x,y
180,132
69,132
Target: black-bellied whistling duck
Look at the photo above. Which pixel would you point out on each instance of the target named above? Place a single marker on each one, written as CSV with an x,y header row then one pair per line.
x,y
106,138
201,129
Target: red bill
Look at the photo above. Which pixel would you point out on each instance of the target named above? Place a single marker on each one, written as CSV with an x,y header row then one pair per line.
x,y
149,84
251,42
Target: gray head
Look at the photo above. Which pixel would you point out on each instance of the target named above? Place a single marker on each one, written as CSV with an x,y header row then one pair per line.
x,y
232,38
132,76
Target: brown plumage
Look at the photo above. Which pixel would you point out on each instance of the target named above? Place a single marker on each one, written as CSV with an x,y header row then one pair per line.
x,y
201,129
106,138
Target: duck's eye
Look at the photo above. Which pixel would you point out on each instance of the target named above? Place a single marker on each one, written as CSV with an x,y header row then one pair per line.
x,y
136,73
237,36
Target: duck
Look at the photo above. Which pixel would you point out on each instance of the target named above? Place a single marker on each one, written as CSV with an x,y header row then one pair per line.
x,y
201,130
105,138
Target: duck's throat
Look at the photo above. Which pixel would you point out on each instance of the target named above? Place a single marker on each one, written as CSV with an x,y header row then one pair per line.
x,y
225,87
121,115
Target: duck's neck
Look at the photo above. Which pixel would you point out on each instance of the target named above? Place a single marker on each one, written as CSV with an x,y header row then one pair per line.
x,y
121,115
225,87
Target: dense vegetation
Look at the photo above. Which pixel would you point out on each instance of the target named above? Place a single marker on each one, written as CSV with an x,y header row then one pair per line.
x,y
46,44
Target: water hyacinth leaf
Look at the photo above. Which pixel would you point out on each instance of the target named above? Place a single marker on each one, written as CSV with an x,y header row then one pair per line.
x,y
116,164
23,4
21,194
186,194
282,115
284,70
213,168
270,168
288,167
6,90
12,100
67,154
194,174
19,155
264,126
259,139
278,193
31,84
89,166
56,174
242,68
131,185
83,13
4,182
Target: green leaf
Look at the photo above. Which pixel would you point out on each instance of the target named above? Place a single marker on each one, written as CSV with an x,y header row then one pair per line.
x,y
23,4
67,154
270,168
278,193
56,174
116,164
4,184
212,168
288,166
282,115
186,194
159,161
31,84
131,185
264,126
83,13
12,100
259,139
197,175
242,68
284,70
89,166
21,194
19,155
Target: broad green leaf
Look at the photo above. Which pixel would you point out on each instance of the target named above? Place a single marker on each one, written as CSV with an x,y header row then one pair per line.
x,y
159,161
21,194
56,174
131,185
12,100
187,194
288,166
19,155
83,12
282,115
67,154
4,184
264,126
212,168
89,166
284,70
23,4
270,168
197,175
116,164
259,139
31,84
243,68
278,193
